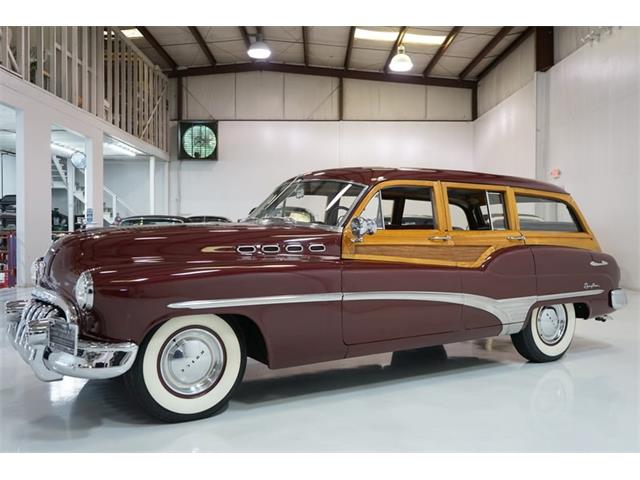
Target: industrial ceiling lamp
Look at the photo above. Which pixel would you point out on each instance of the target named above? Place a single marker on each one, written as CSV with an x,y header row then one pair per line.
x,y
401,62
259,49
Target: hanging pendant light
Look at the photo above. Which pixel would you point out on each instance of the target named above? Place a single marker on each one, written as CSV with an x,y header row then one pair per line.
x,y
401,62
259,49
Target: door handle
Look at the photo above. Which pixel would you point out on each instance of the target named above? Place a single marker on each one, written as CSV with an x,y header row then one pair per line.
x,y
603,263
516,237
443,238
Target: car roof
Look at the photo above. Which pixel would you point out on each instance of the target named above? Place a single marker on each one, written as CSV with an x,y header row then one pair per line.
x,y
374,175
159,217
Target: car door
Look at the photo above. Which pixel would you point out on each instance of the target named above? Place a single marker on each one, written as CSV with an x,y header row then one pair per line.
x,y
399,281
499,266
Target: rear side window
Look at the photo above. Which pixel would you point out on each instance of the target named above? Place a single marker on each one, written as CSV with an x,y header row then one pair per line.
x,y
472,209
546,214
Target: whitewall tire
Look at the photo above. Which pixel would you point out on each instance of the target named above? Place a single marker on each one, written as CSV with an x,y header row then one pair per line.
x,y
548,334
188,368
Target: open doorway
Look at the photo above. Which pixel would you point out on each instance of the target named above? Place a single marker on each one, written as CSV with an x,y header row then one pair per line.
x,y
8,210
68,192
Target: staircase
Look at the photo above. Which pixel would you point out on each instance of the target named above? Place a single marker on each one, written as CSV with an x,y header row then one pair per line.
x,y
63,174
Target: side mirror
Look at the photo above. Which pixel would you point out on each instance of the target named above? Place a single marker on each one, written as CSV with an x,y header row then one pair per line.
x,y
361,226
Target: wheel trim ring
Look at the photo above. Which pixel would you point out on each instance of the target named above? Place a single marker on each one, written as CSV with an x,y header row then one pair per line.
x,y
560,328
219,376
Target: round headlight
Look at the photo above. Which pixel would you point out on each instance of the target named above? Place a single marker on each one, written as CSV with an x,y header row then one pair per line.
x,y
84,291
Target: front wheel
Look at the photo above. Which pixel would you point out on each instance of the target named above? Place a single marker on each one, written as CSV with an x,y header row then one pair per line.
x,y
188,368
548,334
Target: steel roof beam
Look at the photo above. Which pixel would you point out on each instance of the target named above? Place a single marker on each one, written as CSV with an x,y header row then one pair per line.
x,y
203,45
485,51
441,51
157,47
347,57
322,71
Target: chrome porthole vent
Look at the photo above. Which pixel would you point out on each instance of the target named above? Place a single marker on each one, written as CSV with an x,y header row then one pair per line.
x,y
294,248
246,249
317,248
270,249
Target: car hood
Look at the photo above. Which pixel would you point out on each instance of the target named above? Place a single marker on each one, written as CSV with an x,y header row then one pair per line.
x,y
154,246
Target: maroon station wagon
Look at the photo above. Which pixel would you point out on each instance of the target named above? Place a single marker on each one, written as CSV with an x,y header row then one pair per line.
x,y
333,264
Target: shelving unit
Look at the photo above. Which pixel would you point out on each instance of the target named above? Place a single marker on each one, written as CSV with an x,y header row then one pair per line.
x,y
7,258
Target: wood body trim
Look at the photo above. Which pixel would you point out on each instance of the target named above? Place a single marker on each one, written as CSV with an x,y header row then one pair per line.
x,y
466,248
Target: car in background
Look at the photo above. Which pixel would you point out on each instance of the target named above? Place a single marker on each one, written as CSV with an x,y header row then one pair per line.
x,y
138,220
207,219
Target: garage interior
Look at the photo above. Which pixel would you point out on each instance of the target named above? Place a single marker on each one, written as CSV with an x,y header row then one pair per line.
x,y
90,131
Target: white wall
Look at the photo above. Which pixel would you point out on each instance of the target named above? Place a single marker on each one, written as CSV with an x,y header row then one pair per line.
x,y
508,77
129,180
254,157
280,96
8,169
593,137
504,139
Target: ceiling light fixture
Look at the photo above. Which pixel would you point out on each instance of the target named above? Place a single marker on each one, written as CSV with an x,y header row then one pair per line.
x,y
259,49
131,33
391,36
401,62
79,160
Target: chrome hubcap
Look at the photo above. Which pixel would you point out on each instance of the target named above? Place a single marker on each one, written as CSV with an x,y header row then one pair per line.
x,y
192,361
552,323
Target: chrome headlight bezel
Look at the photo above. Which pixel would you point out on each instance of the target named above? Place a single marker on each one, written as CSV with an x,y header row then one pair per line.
x,y
37,271
84,291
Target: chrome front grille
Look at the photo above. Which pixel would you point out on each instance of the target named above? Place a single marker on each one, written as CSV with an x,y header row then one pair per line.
x,y
36,318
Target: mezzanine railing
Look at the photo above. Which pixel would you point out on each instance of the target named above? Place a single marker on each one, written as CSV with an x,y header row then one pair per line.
x,y
95,68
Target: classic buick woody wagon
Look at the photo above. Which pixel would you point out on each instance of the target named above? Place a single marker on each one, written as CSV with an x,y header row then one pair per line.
x,y
333,264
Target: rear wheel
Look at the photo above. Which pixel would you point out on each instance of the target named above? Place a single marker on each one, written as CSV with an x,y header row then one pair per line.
x,y
548,334
188,368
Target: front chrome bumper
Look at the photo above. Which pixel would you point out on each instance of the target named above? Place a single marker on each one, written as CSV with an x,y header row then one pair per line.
x,y
48,342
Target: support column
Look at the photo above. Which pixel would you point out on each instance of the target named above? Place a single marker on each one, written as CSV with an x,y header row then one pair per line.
x,y
33,189
542,125
94,180
152,185
71,190
166,188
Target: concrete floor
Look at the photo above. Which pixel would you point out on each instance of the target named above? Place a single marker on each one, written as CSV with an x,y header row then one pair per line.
x,y
470,396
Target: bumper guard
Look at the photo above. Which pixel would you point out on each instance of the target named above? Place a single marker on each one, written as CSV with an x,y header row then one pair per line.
x,y
51,357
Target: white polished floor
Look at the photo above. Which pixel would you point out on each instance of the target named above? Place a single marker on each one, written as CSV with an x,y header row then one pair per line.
x,y
473,397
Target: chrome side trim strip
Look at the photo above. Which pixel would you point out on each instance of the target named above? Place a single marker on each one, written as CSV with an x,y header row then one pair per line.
x,y
253,301
511,312
581,293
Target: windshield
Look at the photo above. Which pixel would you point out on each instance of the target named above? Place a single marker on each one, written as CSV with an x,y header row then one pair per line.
x,y
319,202
128,222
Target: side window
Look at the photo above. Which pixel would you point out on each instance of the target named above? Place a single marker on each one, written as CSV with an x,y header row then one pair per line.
x,y
472,209
546,214
403,207
408,207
